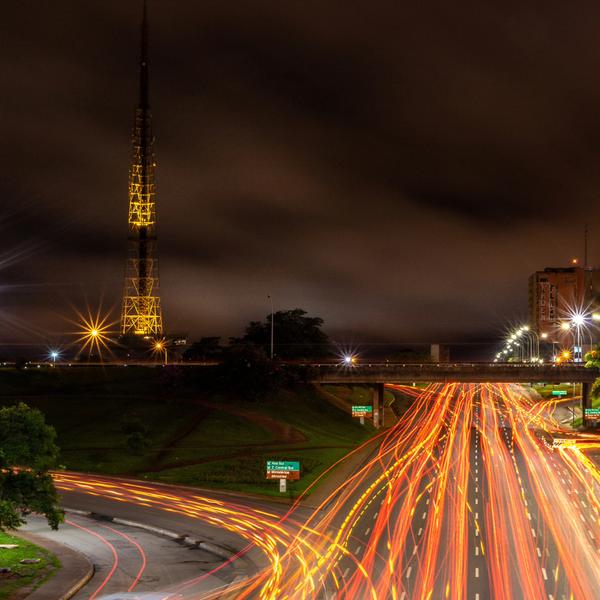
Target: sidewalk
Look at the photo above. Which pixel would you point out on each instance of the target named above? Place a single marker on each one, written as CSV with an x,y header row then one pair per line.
x,y
75,571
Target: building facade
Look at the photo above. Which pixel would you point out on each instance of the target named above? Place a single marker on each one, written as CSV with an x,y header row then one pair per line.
x,y
555,293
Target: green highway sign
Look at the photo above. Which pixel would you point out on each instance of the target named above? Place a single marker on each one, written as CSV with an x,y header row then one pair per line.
x,y
362,411
283,469
559,392
592,414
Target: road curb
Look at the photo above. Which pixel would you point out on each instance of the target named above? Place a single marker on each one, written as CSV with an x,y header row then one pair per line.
x,y
80,584
184,538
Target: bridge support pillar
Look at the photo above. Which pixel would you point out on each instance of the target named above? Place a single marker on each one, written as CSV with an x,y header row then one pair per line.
x,y
378,398
586,400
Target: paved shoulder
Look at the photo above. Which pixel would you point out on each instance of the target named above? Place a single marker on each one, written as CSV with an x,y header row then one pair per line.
x,y
75,572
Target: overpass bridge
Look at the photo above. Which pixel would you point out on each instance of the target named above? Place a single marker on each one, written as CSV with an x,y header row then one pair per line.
x,y
378,374
450,373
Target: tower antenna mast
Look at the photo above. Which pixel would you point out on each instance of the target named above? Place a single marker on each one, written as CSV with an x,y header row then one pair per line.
x,y
141,313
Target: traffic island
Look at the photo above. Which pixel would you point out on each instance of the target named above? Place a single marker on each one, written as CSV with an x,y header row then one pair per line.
x,y
24,567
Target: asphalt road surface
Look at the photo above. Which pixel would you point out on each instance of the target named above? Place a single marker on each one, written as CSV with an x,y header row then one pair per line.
x,y
462,499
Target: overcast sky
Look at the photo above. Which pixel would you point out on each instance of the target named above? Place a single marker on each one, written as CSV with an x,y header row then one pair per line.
x,y
396,168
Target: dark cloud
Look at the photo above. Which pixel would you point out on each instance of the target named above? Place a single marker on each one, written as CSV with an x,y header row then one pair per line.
x,y
399,170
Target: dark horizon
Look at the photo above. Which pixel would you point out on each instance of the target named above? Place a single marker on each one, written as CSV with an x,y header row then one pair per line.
x,y
400,177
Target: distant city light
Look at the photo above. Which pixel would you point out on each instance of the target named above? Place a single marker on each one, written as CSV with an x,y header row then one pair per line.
x,y
349,360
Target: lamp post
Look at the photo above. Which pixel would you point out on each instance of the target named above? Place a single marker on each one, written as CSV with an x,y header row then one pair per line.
x,y
160,346
272,324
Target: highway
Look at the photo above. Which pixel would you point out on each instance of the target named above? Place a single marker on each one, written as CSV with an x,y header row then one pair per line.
x,y
462,499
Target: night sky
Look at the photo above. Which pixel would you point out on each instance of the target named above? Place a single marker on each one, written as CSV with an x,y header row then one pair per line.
x,y
399,170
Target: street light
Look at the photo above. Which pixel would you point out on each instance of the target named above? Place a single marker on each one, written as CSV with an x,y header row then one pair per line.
x,y
161,347
54,354
94,332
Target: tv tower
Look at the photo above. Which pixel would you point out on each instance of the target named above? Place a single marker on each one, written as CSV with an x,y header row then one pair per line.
x,y
141,313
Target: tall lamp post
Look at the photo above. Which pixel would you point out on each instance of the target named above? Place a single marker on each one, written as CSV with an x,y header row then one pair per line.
x,y
531,332
272,324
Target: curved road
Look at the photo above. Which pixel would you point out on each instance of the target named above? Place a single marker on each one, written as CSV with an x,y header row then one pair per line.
x,y
462,499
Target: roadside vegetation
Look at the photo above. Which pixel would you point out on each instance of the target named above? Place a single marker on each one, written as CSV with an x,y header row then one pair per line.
x,y
545,390
20,579
186,425
27,451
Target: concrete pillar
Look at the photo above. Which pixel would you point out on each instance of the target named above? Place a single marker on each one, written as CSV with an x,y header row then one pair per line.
x,y
378,398
586,400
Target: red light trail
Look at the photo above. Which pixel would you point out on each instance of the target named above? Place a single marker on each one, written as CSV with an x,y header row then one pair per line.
x,y
461,499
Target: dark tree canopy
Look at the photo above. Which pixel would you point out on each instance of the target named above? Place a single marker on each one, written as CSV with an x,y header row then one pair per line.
x,y
27,451
208,348
296,335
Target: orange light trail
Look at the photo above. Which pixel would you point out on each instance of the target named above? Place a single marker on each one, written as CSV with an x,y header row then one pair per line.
x,y
460,499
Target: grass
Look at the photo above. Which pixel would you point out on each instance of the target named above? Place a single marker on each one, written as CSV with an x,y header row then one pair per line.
x,y
195,436
328,436
545,391
357,395
595,404
24,576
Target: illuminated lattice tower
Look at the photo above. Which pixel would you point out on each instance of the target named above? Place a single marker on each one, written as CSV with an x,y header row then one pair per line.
x,y
141,313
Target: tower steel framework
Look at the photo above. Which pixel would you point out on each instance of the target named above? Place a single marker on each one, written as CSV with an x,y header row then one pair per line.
x,y
141,313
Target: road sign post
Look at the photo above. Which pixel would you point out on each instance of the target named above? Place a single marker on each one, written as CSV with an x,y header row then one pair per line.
x,y
591,416
283,470
362,412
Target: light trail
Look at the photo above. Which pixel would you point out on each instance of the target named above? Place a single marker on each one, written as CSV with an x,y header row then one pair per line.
x,y
461,499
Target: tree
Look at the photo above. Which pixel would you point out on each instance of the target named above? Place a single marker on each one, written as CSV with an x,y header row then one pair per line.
x,y
208,348
27,451
592,361
296,335
247,371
